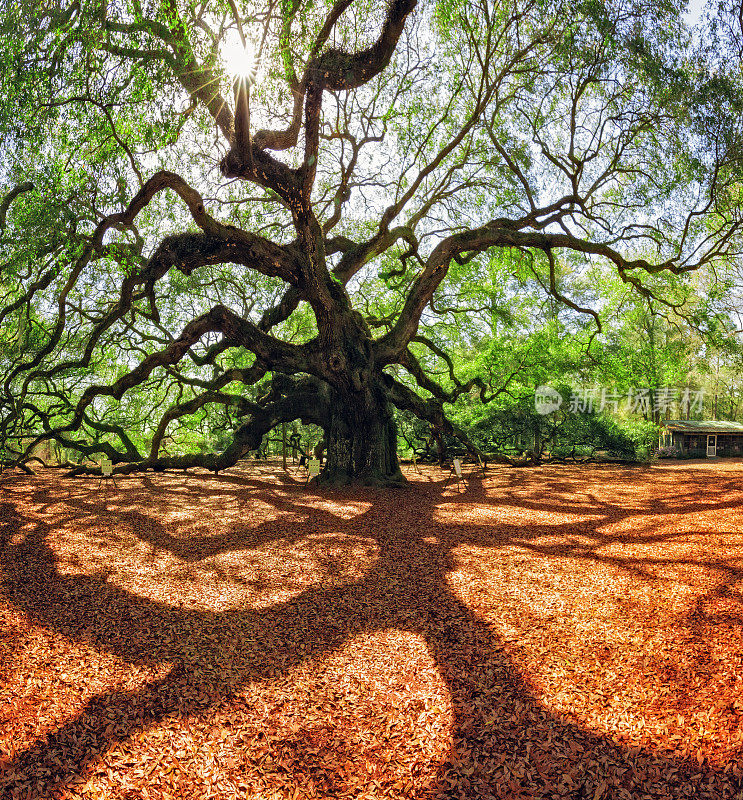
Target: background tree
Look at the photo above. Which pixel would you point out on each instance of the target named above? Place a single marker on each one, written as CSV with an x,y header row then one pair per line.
x,y
278,250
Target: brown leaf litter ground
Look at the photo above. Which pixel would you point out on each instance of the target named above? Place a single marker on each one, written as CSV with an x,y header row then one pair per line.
x,y
554,632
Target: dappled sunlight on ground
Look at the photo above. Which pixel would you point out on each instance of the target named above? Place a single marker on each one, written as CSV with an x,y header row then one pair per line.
x,y
560,631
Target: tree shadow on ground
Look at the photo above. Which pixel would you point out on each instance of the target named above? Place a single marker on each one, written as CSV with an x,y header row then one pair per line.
x,y
505,743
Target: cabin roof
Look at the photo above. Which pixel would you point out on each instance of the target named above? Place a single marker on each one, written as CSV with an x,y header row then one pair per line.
x,y
703,426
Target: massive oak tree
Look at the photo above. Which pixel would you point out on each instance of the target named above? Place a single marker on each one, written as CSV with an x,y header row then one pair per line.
x,y
271,246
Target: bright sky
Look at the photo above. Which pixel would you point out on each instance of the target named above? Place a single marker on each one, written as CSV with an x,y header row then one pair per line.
x,y
693,10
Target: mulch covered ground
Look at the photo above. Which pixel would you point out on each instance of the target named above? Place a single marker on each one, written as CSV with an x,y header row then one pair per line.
x,y
571,632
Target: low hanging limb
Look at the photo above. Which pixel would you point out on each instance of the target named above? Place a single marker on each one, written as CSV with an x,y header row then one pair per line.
x,y
292,358
306,399
431,411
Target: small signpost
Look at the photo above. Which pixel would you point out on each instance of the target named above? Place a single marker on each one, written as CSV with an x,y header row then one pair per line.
x,y
283,446
313,469
107,471
415,465
456,471
481,463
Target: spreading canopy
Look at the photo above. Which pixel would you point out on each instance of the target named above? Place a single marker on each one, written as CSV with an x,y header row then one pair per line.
x,y
270,243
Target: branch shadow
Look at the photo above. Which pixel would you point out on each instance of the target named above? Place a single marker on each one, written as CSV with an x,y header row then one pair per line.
x,y
505,743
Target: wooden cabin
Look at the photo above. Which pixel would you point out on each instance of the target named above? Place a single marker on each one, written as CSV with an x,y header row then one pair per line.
x,y
706,438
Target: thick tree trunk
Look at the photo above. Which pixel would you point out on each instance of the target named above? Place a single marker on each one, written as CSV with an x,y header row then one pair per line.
x,y
362,440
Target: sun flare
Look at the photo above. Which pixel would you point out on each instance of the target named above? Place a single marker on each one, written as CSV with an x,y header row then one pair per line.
x,y
239,59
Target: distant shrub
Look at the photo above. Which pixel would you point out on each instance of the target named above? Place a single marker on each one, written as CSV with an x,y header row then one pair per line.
x,y
668,452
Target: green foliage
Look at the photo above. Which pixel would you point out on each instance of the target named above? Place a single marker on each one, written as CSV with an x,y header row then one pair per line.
x,y
602,121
